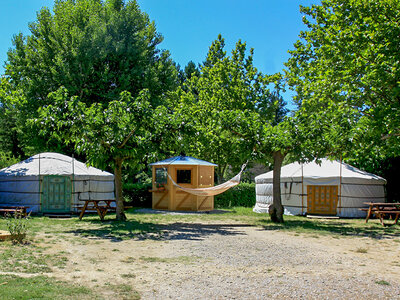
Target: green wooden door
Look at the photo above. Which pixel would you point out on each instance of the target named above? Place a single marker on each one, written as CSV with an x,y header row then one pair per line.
x,y
56,194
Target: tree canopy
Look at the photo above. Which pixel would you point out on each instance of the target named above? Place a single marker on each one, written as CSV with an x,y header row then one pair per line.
x,y
219,108
95,49
350,55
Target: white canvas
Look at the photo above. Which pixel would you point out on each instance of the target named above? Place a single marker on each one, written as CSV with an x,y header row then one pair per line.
x,y
356,187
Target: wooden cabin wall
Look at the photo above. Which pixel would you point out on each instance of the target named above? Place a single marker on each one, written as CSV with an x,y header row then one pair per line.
x,y
206,179
160,198
175,199
181,199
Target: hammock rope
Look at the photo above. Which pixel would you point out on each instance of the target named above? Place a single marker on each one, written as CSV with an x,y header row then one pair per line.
x,y
213,190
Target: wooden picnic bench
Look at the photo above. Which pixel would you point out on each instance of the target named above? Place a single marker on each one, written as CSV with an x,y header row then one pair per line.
x,y
13,210
94,205
380,210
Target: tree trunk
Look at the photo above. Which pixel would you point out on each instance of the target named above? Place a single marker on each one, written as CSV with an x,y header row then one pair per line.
x,y
276,208
220,173
118,189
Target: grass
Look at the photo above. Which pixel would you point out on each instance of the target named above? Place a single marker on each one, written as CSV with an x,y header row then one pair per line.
x,y
382,282
28,259
178,259
31,258
361,250
124,291
142,226
41,287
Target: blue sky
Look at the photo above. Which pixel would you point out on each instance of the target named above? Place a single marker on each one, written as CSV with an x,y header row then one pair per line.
x,y
269,26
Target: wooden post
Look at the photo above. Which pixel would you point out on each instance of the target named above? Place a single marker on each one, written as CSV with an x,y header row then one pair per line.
x,y
302,190
340,186
40,188
171,188
73,182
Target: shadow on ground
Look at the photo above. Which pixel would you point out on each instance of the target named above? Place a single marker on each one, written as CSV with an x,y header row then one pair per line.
x,y
339,227
132,229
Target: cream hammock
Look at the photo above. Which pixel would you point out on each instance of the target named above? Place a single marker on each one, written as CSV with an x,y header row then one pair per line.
x,y
213,190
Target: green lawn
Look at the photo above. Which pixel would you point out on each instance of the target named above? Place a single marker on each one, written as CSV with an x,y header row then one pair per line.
x,y
145,225
40,287
30,259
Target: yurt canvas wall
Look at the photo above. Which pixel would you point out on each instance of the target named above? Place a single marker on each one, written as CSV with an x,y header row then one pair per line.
x,y
52,182
331,188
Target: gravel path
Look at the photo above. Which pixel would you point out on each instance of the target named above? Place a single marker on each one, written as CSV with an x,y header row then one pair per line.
x,y
234,261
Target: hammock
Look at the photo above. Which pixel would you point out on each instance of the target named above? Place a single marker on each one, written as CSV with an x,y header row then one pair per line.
x,y
213,190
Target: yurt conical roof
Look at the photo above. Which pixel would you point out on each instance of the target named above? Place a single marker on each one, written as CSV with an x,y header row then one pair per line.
x,y
327,170
50,163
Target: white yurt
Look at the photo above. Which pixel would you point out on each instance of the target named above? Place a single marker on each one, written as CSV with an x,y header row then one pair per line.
x,y
331,188
53,183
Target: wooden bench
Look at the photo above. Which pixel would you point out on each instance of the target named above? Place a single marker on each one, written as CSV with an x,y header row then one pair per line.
x,y
13,210
95,205
382,213
380,210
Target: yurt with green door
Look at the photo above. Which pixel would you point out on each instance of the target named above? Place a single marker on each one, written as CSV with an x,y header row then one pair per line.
x,y
53,183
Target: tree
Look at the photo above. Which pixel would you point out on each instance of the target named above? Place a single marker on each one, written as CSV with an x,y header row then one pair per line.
x,y
312,132
216,111
90,75
113,134
350,55
95,49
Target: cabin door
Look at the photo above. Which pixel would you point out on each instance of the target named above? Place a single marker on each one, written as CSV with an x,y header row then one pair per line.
x,y
56,194
322,199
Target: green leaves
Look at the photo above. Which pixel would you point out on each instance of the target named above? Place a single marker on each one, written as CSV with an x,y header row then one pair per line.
x,y
349,56
217,113
103,132
96,50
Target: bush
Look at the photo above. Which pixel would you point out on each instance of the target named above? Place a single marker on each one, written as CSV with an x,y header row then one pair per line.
x,y
244,194
137,194
6,160
17,226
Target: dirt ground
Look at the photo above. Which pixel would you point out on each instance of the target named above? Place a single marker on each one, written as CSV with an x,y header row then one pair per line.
x,y
234,261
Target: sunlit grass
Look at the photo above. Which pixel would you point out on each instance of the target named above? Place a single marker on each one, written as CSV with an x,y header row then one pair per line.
x,y
41,287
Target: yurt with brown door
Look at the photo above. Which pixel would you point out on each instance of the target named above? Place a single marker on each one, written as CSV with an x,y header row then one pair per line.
x,y
330,188
187,172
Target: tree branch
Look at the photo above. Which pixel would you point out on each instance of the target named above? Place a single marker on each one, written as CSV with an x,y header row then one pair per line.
x,y
127,139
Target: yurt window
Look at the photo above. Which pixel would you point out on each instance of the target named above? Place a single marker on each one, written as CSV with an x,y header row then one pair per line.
x,y
184,176
161,175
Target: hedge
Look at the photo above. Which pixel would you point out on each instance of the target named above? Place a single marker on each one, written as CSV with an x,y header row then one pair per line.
x,y
137,194
244,194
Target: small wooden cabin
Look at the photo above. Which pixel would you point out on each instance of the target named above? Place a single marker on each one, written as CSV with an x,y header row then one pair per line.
x,y
187,172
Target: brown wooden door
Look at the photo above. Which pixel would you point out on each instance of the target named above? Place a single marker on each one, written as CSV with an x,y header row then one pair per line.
x,y
322,199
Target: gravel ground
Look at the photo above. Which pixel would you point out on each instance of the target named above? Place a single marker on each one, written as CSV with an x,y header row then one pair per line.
x,y
236,261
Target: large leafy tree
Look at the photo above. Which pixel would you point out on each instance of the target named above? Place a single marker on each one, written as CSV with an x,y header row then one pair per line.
x,y
116,134
350,55
217,111
310,133
89,77
95,49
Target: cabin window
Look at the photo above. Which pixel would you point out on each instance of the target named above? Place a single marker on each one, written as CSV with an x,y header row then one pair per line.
x,y
184,176
161,175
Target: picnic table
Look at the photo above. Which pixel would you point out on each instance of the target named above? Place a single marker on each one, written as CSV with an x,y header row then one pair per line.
x,y
13,210
380,210
101,209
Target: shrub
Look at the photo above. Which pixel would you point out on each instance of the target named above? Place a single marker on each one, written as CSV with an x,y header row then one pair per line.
x,y
6,160
137,194
244,194
17,226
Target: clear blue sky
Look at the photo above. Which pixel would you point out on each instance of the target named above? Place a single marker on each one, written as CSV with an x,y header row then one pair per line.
x,y
189,26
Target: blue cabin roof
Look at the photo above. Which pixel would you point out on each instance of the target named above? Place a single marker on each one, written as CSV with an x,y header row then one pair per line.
x,y
183,160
